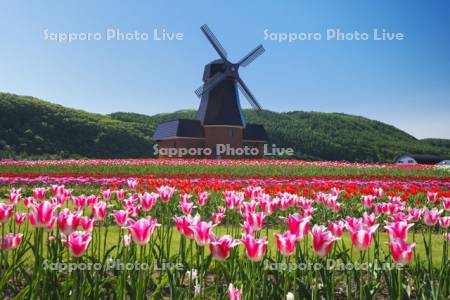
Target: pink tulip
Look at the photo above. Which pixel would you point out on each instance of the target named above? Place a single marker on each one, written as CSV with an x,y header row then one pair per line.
x,y
202,232
14,196
78,242
268,206
336,228
432,197
183,225
202,198
233,199
133,210
249,207
369,220
401,251
323,240
256,220
67,221
99,210
120,194
142,230
446,203
28,201
6,212
221,247
126,240
39,193
254,248
10,241
20,218
80,202
444,221
362,237
234,293
398,230
121,217
298,225
286,242
186,207
42,215
415,214
165,193
132,183
367,200
87,223
217,217
148,200
57,190
185,198
430,217
247,228
106,194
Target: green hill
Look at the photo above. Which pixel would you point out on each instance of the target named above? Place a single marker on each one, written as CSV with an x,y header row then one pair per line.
x,y
442,143
34,128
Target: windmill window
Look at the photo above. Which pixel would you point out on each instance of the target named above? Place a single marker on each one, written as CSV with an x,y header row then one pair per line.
x,y
230,131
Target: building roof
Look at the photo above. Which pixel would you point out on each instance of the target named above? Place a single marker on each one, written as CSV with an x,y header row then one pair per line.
x,y
179,128
255,132
427,159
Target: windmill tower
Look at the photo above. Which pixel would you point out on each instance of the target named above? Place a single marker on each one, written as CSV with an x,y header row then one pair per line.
x,y
220,119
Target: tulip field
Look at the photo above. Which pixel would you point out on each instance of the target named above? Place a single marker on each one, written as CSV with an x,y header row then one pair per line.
x,y
223,229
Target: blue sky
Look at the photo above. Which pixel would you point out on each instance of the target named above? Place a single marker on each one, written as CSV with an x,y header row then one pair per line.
x,y
403,83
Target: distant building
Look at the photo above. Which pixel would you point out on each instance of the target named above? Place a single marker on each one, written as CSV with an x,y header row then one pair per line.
x,y
445,162
424,159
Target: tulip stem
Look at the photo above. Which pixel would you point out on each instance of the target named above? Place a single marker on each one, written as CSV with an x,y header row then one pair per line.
x,y
399,283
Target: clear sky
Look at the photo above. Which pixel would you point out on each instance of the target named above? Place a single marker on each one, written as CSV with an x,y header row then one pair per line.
x,y
404,83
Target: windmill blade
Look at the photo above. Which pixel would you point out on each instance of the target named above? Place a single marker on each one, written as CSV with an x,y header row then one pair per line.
x,y
214,41
244,89
251,56
210,83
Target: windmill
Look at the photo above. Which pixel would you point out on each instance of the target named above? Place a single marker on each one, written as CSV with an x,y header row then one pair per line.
x,y
220,121
219,96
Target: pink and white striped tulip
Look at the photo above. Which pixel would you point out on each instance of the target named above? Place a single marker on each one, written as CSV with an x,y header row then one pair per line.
x,y
221,247
430,217
234,293
42,215
6,212
398,230
78,242
401,251
255,248
10,241
323,240
142,230
286,242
